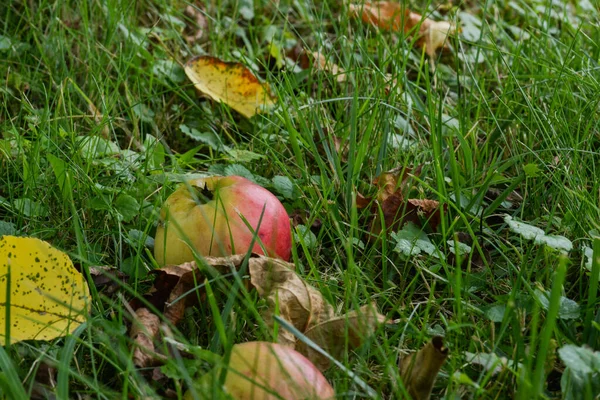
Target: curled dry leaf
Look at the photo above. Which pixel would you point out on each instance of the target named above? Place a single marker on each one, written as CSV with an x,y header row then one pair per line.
x,y
293,298
419,370
386,15
177,302
393,186
332,335
287,295
231,83
395,181
321,63
362,201
46,296
197,24
305,308
106,277
434,35
143,332
396,17
173,286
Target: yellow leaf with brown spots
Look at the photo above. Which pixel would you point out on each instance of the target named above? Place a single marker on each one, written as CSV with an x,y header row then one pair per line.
x,y
41,294
231,83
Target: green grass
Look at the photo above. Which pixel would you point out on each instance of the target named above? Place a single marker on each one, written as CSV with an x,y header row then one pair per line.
x,y
513,106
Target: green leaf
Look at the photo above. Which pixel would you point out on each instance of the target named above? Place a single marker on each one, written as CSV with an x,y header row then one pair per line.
x,y
7,228
496,312
127,206
60,171
461,249
581,378
133,266
529,232
284,186
240,170
246,9
302,234
98,203
525,230
168,69
96,146
568,309
30,208
411,241
139,239
556,242
5,43
243,155
532,170
155,152
209,138
143,112
581,360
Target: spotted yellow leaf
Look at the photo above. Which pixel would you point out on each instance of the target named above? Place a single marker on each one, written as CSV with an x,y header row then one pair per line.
x,y
231,83
42,296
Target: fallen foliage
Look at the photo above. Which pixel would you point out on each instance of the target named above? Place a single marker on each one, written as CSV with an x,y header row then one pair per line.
x,y
419,370
432,35
144,330
47,296
332,334
231,83
392,189
287,294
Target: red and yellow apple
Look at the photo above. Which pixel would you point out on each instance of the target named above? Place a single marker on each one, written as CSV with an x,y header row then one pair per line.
x,y
213,216
266,371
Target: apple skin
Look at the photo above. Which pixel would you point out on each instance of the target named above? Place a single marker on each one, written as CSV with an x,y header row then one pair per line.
x,y
215,228
267,371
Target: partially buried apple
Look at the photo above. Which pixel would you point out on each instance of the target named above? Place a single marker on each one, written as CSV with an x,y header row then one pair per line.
x,y
264,371
213,215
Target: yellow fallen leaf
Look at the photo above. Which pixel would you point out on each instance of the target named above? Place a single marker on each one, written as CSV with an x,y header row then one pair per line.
x,y
47,296
231,83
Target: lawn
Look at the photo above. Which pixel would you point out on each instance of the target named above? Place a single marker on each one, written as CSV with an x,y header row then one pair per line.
x,y
452,187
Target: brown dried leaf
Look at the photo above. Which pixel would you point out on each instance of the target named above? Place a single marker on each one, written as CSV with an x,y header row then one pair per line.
x,y
429,210
396,209
362,201
298,302
106,276
174,281
302,217
434,35
197,25
419,370
396,17
396,212
300,56
386,15
331,335
341,146
395,181
188,278
144,331
321,63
